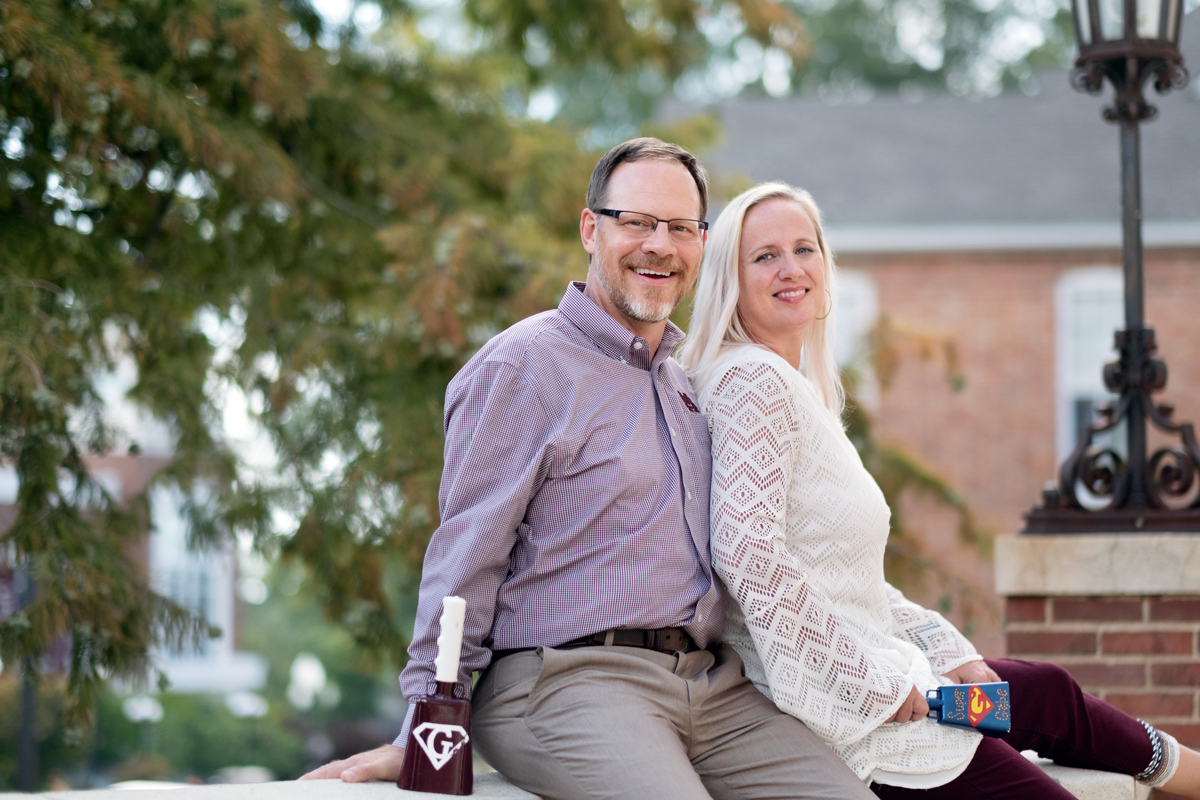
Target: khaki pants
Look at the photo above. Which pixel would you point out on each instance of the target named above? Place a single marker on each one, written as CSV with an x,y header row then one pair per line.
x,y
620,722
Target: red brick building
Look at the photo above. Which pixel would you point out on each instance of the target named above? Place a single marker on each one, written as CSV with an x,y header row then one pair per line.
x,y
994,223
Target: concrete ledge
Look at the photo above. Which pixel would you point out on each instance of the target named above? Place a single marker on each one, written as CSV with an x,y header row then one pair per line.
x,y
1088,784
1098,564
1083,783
487,785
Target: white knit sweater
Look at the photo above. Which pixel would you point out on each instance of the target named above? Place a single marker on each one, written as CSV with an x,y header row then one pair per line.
x,y
798,534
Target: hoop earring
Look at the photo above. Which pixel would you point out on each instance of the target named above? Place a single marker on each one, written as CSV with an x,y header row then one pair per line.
x,y
830,311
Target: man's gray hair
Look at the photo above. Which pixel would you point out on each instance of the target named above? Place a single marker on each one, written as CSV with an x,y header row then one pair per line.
x,y
645,148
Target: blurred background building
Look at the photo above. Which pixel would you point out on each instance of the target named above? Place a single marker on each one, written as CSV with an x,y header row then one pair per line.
x,y
993,224
205,581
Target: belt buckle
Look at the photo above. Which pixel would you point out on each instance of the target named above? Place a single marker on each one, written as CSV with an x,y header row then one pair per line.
x,y
669,640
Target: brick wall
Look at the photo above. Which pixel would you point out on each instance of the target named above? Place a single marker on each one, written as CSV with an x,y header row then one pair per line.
x,y
994,440
1138,653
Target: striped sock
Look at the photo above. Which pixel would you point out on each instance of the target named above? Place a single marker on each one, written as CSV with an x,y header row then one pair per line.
x,y
1164,759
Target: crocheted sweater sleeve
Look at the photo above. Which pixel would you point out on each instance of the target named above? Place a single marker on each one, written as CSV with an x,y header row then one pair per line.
x,y
941,642
818,663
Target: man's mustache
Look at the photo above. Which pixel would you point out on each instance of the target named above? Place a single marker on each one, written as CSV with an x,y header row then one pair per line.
x,y
656,263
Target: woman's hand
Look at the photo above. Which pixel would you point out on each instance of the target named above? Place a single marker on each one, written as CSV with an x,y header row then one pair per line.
x,y
973,672
913,709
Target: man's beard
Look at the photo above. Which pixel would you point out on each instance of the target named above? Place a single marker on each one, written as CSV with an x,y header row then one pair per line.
x,y
643,309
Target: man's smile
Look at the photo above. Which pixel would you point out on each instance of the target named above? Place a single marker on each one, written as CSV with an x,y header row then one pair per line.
x,y
651,273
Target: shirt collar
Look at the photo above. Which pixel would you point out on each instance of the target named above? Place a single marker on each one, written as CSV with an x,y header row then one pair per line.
x,y
614,339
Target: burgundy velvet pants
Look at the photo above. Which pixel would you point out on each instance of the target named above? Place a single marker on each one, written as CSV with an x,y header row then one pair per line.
x,y
1053,716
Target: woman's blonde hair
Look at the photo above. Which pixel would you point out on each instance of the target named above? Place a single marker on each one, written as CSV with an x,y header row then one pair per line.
x,y
716,324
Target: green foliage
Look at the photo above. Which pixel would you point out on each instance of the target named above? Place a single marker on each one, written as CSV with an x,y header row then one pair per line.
x,y
660,36
609,66
52,746
69,536
901,474
291,622
195,187
965,46
196,737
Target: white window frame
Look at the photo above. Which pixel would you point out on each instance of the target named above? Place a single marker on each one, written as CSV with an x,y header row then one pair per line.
x,y
1069,384
856,314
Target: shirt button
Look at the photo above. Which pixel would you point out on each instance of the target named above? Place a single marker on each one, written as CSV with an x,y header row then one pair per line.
x,y
673,432
699,618
637,345
689,494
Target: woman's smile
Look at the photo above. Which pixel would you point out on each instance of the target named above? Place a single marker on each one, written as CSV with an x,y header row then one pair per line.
x,y
780,276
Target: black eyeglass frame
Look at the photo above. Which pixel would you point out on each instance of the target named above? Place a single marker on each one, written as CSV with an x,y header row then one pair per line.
x,y
615,213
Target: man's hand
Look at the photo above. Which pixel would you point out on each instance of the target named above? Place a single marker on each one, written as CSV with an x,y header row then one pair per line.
x,y
381,764
973,672
915,706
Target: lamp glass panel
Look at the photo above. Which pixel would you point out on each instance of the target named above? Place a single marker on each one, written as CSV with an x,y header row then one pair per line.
x,y
1112,20
1173,11
1083,20
1149,15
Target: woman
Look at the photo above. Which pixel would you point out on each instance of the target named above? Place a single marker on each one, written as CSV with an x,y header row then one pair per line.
x,y
798,535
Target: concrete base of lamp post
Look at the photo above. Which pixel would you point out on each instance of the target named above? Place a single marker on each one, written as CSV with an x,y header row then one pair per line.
x,y
1098,564
1121,612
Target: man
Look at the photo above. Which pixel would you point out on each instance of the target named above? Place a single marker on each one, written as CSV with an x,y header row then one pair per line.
x,y
575,524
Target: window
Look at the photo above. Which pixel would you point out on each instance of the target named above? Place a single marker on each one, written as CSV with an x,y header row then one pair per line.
x,y
1088,309
196,579
203,580
858,307
857,313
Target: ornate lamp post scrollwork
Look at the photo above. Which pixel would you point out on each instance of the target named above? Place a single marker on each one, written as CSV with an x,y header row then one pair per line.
x,y
1129,42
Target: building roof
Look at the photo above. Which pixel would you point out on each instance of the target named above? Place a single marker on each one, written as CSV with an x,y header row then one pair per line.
x,y
975,170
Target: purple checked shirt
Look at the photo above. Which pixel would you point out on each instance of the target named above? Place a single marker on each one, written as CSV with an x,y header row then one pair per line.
x,y
574,497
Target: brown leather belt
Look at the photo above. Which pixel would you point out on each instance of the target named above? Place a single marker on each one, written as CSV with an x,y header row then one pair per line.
x,y
663,640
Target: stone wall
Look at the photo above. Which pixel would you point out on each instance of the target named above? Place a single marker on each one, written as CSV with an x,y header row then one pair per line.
x,y
994,440
1137,652
1121,612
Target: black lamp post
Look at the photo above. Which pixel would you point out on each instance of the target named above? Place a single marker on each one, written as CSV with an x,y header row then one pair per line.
x,y
1129,42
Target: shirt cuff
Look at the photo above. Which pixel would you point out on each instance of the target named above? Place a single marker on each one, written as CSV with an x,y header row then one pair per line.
x,y
402,739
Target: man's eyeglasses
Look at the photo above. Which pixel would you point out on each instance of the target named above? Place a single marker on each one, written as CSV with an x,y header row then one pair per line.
x,y
640,226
